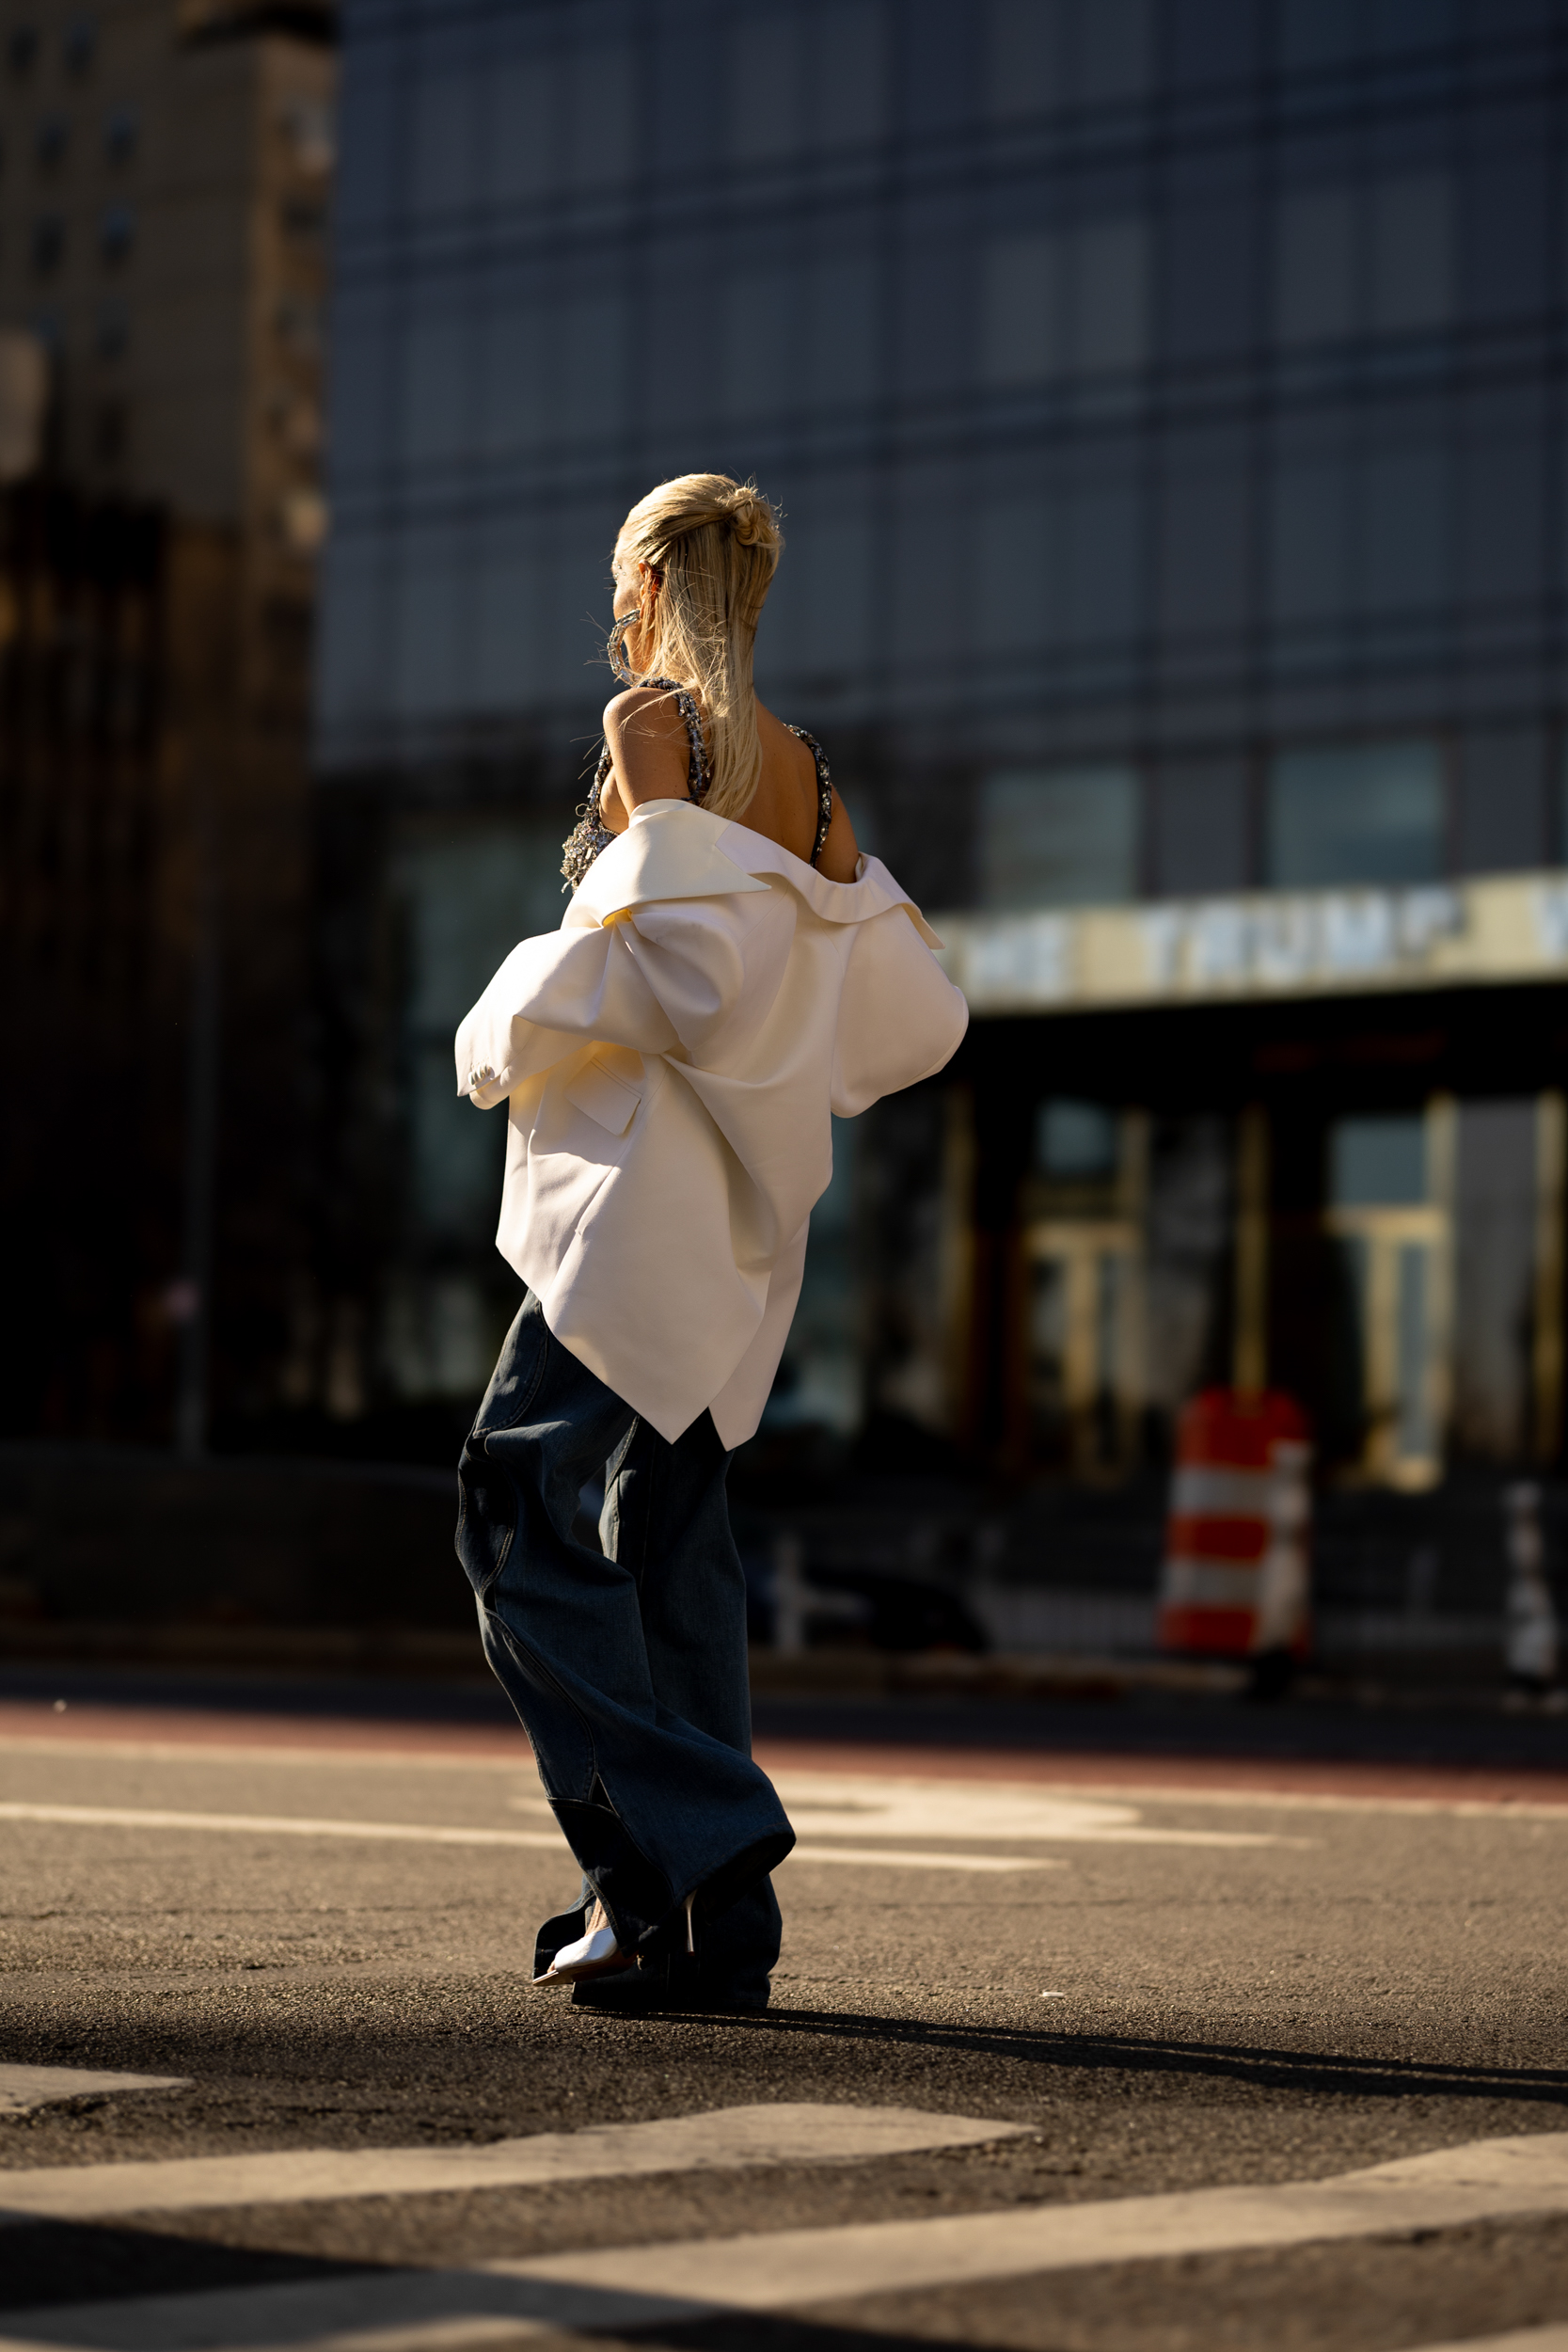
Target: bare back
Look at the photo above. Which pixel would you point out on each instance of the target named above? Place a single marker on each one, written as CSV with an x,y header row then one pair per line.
x,y
649,751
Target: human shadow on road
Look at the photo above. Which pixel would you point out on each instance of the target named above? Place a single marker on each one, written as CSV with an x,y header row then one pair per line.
x,y
1272,2069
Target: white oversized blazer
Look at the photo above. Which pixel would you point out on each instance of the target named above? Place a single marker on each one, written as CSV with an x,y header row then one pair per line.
x,y
671,1057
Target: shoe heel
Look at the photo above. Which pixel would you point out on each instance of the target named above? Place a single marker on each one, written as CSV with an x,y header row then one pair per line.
x,y
691,1936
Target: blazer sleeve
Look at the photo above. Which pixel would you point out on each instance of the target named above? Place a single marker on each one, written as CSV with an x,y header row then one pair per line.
x,y
553,996
662,977
900,1017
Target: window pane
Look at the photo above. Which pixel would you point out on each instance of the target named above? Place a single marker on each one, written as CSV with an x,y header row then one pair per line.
x,y
1406,515
428,612
762,98
1113,50
1014,530
1059,837
1310,542
1024,68
1205,549
1210,275
1110,297
434,384
1021,294
848,70
759,344
1369,813
1378,1163
441,145
1411,249
593,356
1314,267
1104,561
519,108
837,350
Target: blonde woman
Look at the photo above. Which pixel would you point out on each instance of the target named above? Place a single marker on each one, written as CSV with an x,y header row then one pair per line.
x,y
730,971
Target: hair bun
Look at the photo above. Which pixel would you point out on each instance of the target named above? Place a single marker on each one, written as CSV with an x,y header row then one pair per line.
x,y
751,517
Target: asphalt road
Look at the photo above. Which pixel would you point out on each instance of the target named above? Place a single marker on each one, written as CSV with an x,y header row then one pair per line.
x,y
1147,1988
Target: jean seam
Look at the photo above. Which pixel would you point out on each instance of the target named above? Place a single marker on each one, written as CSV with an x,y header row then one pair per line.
x,y
525,1650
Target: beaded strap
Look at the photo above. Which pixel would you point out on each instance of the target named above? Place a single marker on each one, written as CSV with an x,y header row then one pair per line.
x,y
590,835
824,790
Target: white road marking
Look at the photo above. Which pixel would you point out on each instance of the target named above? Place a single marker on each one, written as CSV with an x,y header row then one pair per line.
x,y
198,1752
439,1834
847,1805
912,1858
797,2269
23,2088
284,1824
783,2132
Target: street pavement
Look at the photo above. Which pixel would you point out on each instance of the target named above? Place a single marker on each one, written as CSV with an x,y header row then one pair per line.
x,y
1071,2051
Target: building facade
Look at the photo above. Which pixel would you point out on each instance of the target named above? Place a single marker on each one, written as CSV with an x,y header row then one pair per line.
x,y
164,216
1165,400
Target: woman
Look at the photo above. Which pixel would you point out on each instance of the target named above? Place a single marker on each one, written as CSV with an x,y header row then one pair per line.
x,y
729,972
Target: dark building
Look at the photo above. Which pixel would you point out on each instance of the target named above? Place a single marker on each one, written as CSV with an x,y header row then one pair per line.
x,y
162,259
1167,402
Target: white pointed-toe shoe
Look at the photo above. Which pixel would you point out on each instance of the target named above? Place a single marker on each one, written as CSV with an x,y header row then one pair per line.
x,y
596,1953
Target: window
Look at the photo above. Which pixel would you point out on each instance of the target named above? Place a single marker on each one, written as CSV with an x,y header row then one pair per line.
x,y
1365,813
116,233
849,72
1024,58
81,43
1310,538
1064,303
48,244
54,137
1059,837
1388,1243
1113,51
763,107
1411,254
1076,1140
112,331
1405,508
1314,275
120,132
23,49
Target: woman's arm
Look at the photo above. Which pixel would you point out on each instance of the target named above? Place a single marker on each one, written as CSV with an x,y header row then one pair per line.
x,y
649,749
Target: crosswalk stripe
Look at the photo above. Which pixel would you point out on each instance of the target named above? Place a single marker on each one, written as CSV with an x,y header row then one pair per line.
x,y
24,2087
444,1834
780,2132
794,2269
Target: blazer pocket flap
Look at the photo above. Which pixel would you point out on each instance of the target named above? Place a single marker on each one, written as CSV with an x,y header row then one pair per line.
x,y
607,1100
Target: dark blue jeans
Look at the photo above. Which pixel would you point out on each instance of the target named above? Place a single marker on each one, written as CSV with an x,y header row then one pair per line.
x,y
627,1669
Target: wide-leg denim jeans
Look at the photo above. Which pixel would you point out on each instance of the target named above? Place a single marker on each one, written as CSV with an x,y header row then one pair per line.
x,y
628,1669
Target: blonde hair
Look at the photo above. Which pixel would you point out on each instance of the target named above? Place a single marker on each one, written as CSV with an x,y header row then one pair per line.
x,y
715,545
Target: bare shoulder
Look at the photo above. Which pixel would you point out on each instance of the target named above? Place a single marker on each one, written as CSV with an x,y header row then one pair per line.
x,y
648,711
647,741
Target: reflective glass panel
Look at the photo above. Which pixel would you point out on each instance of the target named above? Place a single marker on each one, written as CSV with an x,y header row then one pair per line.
x,y
1059,837
1378,1163
1367,813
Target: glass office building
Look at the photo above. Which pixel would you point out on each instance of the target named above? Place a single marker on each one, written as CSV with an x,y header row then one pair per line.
x,y
1167,402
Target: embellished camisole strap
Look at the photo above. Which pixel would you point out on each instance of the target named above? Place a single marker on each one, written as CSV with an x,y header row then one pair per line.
x,y
824,790
590,835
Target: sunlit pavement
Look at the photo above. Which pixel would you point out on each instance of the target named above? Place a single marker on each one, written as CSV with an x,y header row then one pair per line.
x,y
1171,1992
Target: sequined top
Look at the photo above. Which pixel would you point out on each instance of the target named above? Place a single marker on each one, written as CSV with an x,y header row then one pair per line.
x,y
590,835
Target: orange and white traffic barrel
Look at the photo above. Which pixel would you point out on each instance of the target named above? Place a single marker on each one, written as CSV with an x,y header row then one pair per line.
x,y
1236,1580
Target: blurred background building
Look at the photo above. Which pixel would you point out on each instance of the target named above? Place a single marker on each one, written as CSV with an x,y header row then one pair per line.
x,y
1165,401
1163,398
163,275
